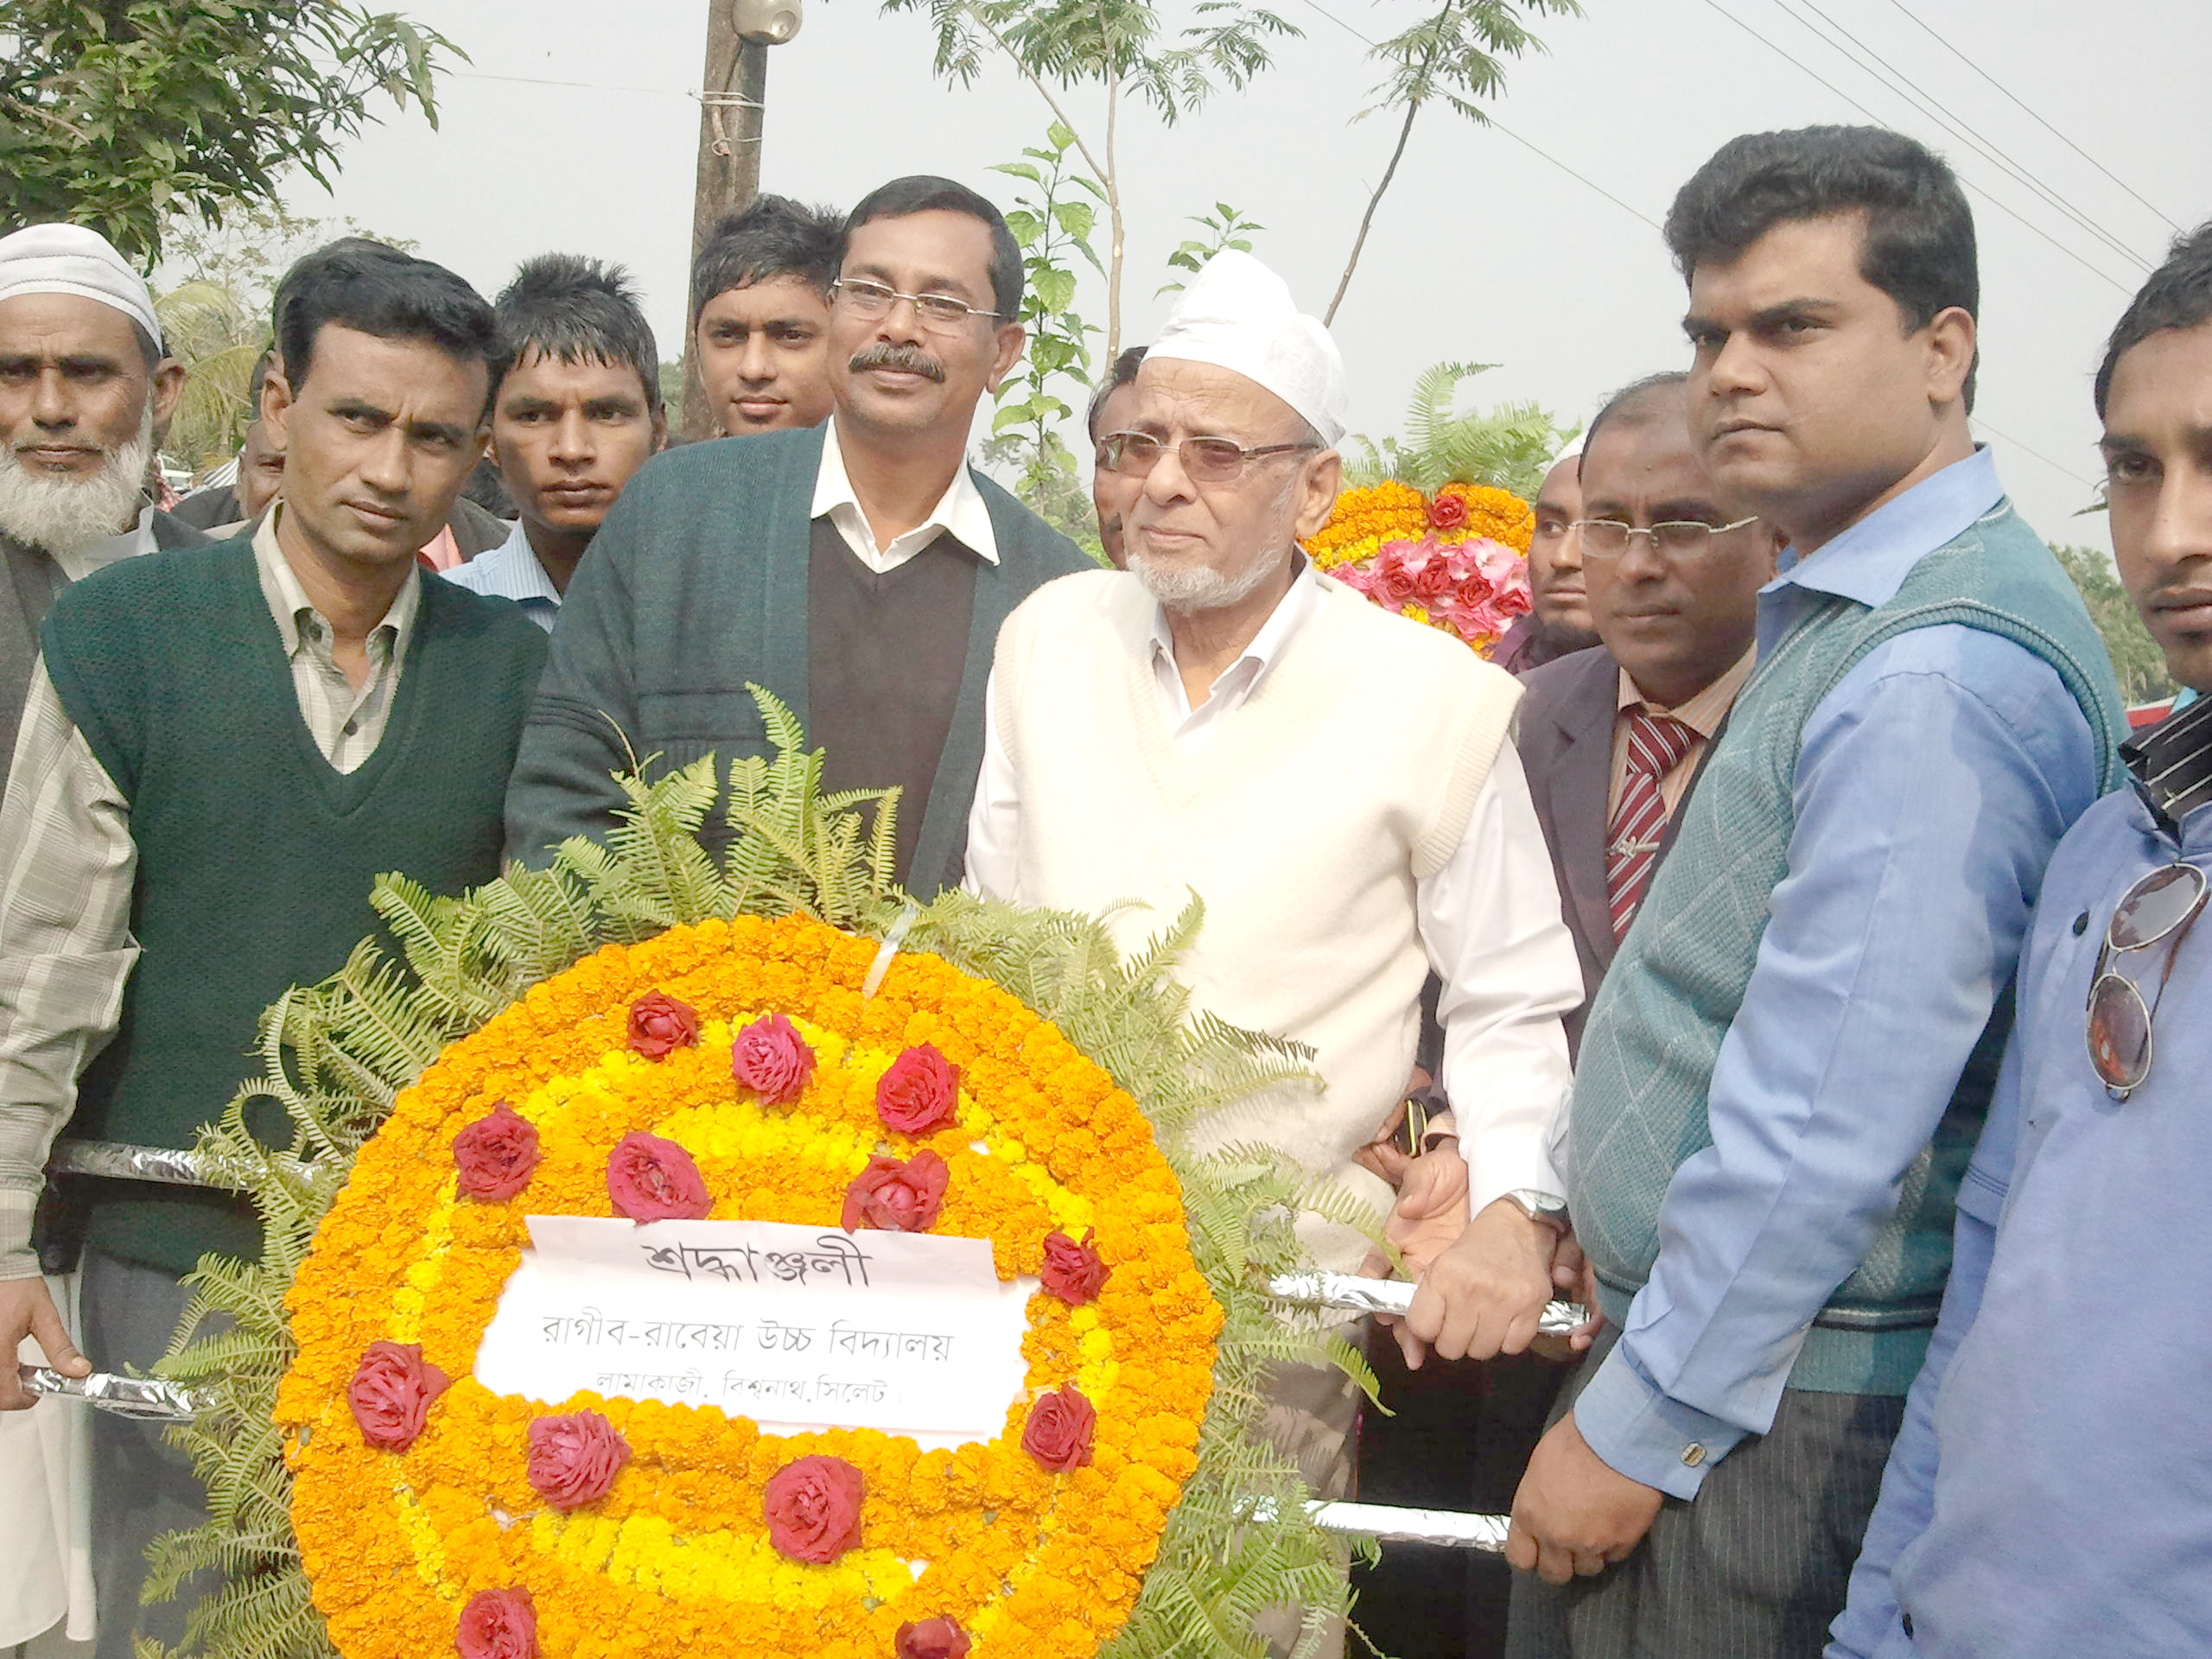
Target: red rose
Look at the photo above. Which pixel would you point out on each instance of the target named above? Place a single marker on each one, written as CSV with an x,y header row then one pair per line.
x,y
920,1090
932,1638
496,1155
896,1198
1073,1272
1059,1429
497,1625
1448,511
1393,581
772,1060
813,1506
653,1179
1432,577
392,1392
573,1459
659,1024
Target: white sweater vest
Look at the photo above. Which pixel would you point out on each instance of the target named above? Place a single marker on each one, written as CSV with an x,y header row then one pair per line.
x,y
1303,822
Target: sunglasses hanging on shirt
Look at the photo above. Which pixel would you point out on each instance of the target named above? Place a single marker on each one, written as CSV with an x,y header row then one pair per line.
x,y
2160,908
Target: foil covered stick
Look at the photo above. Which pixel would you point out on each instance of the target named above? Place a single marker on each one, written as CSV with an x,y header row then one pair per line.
x,y
127,1396
116,1161
1391,1525
1354,1295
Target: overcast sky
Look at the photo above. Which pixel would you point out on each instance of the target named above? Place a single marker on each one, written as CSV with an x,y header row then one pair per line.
x,y
1484,250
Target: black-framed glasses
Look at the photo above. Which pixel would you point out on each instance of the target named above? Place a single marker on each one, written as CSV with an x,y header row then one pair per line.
x,y
2163,905
872,303
1678,539
1205,461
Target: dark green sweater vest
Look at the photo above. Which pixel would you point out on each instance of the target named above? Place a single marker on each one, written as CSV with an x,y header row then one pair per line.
x,y
255,856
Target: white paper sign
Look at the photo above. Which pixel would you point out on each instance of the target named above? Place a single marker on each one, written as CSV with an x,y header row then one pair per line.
x,y
798,1328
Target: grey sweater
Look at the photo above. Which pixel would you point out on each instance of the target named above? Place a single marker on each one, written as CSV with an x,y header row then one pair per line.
x,y
696,584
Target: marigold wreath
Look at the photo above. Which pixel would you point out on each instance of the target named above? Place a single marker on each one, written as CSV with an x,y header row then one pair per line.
x,y
641,1031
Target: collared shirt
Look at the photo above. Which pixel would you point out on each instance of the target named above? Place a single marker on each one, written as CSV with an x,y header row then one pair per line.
x,y
2047,1494
1489,918
1702,714
109,550
960,510
510,571
67,863
1932,784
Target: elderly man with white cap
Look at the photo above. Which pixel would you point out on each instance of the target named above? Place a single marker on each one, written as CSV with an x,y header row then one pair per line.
x,y
86,391
1336,784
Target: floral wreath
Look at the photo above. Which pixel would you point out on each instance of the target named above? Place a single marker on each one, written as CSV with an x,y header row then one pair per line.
x,y
1456,561
639,1033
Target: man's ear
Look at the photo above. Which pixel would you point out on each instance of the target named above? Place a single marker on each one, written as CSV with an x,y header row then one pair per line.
x,y
1325,477
1012,337
167,386
277,409
1952,340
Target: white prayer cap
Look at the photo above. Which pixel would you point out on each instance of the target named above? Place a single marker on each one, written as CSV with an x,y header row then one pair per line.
x,y
1573,451
1238,315
70,260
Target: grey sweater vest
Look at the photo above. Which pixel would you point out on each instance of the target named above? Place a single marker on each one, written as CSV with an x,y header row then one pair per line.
x,y
1655,1028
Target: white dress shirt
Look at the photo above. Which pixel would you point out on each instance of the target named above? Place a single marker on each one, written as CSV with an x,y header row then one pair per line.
x,y
109,550
1490,919
960,511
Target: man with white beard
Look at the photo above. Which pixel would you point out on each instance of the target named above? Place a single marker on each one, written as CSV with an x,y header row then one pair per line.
x,y
1339,787
85,392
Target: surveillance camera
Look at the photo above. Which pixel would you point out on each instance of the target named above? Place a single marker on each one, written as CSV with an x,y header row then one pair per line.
x,y
772,21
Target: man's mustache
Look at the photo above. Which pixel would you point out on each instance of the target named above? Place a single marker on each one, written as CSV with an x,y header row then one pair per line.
x,y
901,360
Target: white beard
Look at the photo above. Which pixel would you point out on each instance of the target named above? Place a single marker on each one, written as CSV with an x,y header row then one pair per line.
x,y
1187,589
66,514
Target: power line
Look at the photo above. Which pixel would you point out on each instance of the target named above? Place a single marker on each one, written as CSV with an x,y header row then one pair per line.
x,y
1490,120
581,85
1914,93
2032,113
1993,201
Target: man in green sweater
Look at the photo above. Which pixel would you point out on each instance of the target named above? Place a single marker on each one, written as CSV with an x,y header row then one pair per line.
x,y
859,570
222,747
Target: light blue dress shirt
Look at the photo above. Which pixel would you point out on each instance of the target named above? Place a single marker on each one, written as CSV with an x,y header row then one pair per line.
x,y
510,571
1932,785
2051,1493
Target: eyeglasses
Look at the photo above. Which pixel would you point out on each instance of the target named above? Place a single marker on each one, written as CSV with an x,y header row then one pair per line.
x,y
1678,539
2164,904
872,303
1205,461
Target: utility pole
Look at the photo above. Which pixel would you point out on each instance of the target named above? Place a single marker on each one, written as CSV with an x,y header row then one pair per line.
x,y
734,87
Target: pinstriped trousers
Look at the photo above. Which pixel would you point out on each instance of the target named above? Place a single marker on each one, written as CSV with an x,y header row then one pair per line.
x,y
1755,1567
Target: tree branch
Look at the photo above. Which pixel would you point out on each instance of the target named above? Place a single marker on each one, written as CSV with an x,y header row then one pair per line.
x,y
1367,218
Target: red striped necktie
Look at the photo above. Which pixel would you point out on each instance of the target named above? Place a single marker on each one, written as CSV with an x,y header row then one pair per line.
x,y
1656,744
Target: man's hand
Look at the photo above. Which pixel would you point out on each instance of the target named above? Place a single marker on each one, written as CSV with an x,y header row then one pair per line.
x,y
27,1310
1483,1295
1574,1513
1574,1278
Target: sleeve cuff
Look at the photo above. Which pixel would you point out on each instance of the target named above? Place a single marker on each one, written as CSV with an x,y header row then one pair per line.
x,y
1502,1162
17,1259
1639,1432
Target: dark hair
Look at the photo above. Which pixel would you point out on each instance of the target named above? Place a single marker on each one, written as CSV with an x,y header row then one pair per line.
x,y
393,295
1124,372
262,365
1631,404
925,193
2177,295
1919,242
576,310
304,268
770,236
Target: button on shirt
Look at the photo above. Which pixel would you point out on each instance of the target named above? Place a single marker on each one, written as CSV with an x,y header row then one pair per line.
x,y
2047,1497
510,571
1489,918
67,863
959,510
1932,785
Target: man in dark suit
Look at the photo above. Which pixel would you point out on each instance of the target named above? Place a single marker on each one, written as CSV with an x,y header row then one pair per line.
x,y
1611,737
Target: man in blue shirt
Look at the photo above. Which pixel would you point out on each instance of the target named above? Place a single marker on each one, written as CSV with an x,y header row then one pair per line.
x,y
578,411
2051,1492
1784,1071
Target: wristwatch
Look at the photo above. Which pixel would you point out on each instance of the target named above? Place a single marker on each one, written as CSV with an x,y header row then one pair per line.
x,y
1547,1207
